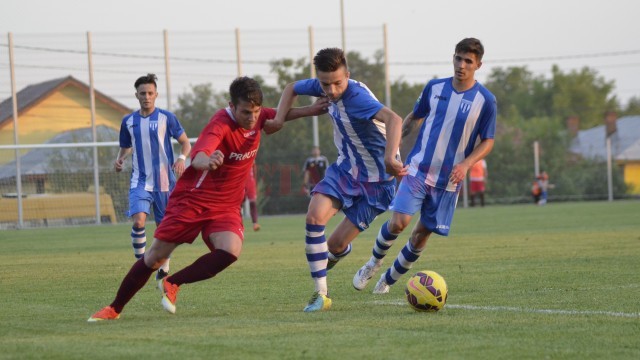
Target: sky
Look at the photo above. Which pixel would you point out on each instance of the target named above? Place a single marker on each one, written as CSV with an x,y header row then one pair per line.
x,y
422,34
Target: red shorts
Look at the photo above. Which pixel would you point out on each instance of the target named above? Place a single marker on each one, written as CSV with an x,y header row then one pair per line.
x,y
476,186
182,223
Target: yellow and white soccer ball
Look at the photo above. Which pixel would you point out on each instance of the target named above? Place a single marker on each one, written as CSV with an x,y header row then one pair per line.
x,y
426,291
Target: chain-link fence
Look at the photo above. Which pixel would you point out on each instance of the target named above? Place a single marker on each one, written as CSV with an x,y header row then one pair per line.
x,y
60,182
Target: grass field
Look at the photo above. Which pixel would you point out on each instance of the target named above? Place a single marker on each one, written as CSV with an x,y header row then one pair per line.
x,y
525,282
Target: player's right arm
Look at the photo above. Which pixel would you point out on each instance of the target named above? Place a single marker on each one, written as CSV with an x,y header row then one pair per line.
x,y
209,143
409,124
420,110
284,105
319,107
118,164
285,112
203,162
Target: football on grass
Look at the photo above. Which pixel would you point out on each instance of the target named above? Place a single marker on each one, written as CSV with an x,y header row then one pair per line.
x,y
426,291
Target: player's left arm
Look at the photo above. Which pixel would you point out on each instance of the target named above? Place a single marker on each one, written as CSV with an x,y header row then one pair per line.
x,y
180,164
393,125
459,171
487,132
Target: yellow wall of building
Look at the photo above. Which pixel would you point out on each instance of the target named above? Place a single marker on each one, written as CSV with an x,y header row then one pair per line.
x,y
64,110
632,176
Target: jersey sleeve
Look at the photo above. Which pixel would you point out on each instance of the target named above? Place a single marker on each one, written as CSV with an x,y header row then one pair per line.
x,y
309,87
175,128
266,114
421,108
360,103
488,119
210,137
125,136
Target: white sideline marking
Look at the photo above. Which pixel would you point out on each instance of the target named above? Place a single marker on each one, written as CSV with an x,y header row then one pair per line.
x,y
524,310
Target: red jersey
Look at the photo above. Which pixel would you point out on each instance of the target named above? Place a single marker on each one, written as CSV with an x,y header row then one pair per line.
x,y
224,187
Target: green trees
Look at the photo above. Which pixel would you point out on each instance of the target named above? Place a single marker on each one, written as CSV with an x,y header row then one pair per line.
x,y
530,108
195,108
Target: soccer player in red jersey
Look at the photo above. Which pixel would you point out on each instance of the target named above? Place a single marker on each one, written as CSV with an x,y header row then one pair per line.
x,y
207,198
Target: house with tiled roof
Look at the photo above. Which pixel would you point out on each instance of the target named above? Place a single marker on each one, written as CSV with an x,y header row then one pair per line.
x,y
52,107
53,111
625,146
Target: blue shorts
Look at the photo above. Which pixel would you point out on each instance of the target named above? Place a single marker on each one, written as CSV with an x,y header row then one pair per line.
x,y
140,200
361,202
436,205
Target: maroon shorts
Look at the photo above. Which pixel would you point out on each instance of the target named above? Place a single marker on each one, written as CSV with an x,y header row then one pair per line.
x,y
476,186
182,224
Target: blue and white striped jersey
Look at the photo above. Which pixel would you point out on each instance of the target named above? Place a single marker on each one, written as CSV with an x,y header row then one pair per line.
x,y
152,156
360,139
453,122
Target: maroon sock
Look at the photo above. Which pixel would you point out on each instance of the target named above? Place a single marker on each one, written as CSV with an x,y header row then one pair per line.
x,y
253,209
206,267
134,281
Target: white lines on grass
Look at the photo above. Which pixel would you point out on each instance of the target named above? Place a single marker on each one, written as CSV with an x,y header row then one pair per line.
x,y
523,310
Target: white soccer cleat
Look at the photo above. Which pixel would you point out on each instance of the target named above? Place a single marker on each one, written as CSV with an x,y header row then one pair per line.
x,y
366,272
381,286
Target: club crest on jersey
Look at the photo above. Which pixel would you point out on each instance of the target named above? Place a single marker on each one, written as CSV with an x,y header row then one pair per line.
x,y
465,106
153,125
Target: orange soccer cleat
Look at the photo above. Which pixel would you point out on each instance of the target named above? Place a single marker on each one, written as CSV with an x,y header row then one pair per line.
x,y
106,313
169,295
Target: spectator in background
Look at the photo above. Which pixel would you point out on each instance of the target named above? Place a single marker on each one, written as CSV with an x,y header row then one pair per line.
x,y
477,181
543,181
251,194
536,191
314,168
146,135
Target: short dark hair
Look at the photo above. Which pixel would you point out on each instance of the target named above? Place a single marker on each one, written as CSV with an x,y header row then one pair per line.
x,y
246,89
329,60
147,79
471,45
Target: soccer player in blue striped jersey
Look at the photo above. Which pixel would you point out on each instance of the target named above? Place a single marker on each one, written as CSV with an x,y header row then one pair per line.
x,y
361,182
458,130
146,134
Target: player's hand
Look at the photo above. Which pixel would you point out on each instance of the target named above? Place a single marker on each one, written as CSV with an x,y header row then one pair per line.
x,y
320,106
216,159
458,173
395,167
118,165
178,167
